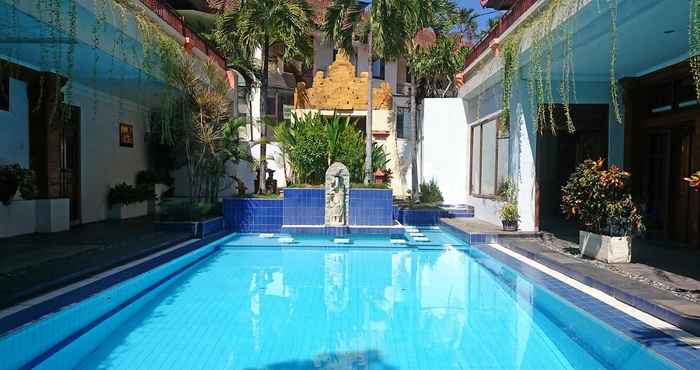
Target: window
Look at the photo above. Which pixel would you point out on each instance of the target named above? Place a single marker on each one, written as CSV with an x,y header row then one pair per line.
x,y
672,96
490,155
5,93
378,69
408,74
403,122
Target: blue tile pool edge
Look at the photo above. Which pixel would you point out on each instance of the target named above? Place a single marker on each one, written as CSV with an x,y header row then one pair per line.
x,y
667,347
54,304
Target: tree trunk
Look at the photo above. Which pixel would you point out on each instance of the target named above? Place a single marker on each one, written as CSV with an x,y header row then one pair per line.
x,y
414,141
263,109
368,142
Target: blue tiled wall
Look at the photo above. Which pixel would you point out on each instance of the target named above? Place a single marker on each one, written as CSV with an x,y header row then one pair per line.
x,y
253,215
420,217
304,206
371,207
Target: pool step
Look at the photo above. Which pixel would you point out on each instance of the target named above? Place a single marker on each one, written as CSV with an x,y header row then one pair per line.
x,y
285,240
341,241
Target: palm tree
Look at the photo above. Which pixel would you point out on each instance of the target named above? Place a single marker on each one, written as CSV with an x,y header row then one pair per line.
x,y
260,24
345,19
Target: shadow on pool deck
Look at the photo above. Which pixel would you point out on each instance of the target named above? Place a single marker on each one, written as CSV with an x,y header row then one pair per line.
x,y
35,263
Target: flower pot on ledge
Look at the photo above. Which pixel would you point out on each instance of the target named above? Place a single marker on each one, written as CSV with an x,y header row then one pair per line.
x,y
509,225
122,211
608,249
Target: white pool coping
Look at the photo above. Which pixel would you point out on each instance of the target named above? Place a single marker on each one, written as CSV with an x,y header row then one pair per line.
x,y
642,316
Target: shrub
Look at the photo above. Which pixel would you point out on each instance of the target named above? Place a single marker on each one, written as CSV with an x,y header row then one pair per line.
x,y
126,194
186,211
430,192
14,177
509,212
507,190
313,142
600,201
153,177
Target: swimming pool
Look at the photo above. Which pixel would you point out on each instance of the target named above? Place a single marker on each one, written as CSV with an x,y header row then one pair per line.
x,y
253,302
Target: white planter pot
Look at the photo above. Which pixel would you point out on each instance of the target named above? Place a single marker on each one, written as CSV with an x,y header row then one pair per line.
x,y
17,218
120,211
604,248
52,215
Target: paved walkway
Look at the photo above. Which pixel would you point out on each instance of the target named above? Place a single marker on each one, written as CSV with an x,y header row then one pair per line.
x,y
627,280
35,263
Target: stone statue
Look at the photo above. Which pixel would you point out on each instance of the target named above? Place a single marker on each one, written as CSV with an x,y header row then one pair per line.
x,y
337,188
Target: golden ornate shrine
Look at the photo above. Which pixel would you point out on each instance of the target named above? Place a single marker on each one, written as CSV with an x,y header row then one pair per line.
x,y
341,90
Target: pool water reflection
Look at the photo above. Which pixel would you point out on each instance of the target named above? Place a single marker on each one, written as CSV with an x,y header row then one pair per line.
x,y
300,308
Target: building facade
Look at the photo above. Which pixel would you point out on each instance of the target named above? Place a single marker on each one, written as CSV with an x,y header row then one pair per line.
x,y
79,96
620,70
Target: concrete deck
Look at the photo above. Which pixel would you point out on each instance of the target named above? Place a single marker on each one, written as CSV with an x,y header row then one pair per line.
x,y
475,226
36,263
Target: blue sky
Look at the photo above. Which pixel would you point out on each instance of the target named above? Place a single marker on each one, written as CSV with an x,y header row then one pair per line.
x,y
474,4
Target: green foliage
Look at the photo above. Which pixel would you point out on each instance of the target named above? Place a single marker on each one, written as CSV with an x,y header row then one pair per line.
x,y
430,192
186,211
126,194
507,190
153,177
509,212
694,43
25,179
435,67
600,200
313,142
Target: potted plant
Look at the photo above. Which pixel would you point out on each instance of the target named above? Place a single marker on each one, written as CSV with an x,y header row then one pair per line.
x,y
509,216
126,201
598,198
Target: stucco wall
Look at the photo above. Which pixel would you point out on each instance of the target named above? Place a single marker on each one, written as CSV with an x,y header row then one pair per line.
x,y
446,149
103,162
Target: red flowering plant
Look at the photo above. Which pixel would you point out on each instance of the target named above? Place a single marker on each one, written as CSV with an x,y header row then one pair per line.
x,y
598,198
693,180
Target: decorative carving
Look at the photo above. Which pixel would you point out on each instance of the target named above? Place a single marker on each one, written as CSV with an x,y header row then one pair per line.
x,y
337,188
341,89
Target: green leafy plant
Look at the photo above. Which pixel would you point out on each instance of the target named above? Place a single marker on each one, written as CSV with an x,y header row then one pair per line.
x,y
187,211
430,192
509,212
13,176
312,142
600,201
125,194
507,190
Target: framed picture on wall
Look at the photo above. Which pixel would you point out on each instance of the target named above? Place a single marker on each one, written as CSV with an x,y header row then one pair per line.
x,y
126,135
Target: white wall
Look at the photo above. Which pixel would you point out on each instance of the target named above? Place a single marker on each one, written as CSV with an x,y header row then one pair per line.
x,y
103,162
445,155
14,127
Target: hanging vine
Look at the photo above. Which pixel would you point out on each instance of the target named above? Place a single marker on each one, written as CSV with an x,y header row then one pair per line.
x,y
614,94
694,43
540,31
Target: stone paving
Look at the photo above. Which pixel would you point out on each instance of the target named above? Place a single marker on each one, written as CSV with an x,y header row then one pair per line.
x,y
36,263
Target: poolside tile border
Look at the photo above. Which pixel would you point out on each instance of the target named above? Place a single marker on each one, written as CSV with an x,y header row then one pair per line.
x,y
676,351
34,309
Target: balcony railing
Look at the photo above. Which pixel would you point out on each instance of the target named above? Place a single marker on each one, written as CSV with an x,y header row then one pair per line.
x,y
170,16
506,21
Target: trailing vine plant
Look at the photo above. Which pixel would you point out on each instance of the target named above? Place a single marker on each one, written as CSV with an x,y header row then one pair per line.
x,y
694,43
614,94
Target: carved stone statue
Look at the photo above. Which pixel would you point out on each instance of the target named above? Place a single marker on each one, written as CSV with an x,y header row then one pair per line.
x,y
337,188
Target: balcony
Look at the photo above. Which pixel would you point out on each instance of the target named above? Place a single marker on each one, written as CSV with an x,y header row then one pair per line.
x,y
518,8
177,22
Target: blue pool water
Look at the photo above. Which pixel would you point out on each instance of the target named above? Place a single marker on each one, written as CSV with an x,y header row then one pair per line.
x,y
253,304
